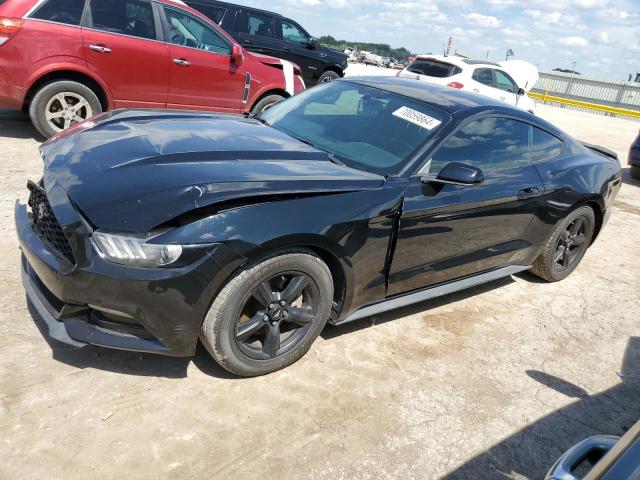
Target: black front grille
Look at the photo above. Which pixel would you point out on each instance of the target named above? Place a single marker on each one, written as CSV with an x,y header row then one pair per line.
x,y
45,223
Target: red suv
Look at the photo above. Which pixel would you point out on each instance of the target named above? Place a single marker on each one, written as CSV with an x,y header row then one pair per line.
x,y
66,60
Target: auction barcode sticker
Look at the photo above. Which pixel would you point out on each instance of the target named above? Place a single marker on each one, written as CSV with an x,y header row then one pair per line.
x,y
416,117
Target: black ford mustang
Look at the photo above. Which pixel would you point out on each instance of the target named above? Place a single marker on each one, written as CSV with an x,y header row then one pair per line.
x,y
152,229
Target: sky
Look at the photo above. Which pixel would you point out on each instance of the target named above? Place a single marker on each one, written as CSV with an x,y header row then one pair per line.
x,y
602,37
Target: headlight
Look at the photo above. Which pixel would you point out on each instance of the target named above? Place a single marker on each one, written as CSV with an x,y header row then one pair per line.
x,y
135,251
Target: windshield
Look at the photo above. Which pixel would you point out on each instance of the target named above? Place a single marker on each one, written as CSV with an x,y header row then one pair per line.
x,y
363,127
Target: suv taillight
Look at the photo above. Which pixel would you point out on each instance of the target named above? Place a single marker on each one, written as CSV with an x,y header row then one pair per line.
x,y
455,85
9,27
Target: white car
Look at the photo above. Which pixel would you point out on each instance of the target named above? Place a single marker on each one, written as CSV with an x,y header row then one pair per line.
x,y
495,80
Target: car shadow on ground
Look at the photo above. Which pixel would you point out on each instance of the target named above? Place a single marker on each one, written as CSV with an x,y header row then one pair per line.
x,y
530,452
128,363
422,307
16,124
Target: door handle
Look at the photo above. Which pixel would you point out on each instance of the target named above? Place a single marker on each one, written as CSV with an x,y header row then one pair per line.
x,y
286,49
528,192
248,42
502,98
476,90
182,62
100,48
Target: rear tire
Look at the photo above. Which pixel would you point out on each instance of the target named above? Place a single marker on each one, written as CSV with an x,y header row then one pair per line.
x,y
266,102
269,314
61,104
634,171
564,250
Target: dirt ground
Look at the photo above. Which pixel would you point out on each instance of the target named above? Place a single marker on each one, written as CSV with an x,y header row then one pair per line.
x,y
494,382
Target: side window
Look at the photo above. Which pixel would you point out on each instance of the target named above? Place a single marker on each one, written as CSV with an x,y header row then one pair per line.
x,y
493,144
545,146
483,76
188,31
215,14
505,82
258,25
128,17
61,11
292,33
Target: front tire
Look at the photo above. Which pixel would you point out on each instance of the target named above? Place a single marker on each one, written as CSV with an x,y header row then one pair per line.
x,y
328,76
269,314
59,105
563,252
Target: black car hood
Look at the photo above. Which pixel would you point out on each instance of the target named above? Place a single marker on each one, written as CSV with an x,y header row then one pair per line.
x,y
133,170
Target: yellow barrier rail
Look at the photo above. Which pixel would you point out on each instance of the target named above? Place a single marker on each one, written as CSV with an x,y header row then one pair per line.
x,y
545,97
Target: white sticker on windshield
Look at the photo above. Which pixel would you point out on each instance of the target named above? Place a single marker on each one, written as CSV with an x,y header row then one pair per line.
x,y
416,117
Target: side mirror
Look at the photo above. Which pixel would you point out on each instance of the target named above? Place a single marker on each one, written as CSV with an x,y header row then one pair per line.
x,y
521,92
313,44
458,173
236,55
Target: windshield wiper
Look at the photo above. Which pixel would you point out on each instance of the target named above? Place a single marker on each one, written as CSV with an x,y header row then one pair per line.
x,y
332,156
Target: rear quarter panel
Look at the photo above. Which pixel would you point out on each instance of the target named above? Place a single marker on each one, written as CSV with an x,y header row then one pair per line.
x,y
570,182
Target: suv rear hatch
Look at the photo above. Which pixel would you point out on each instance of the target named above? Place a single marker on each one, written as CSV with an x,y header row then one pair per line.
x,y
433,68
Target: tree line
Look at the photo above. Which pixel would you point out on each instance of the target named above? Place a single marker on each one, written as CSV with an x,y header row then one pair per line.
x,y
381,49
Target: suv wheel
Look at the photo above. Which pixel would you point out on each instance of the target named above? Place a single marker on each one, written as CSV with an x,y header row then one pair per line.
x,y
266,102
328,76
269,314
61,104
564,250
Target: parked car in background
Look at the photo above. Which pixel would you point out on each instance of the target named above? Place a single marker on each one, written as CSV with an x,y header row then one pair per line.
x,y
601,458
483,78
270,33
351,199
66,60
634,159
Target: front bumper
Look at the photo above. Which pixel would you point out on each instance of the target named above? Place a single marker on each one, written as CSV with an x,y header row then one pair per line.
x,y
634,156
99,303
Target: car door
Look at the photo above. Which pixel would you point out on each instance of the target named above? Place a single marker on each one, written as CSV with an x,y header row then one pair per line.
x,y
449,231
121,45
203,73
483,83
257,33
297,47
507,90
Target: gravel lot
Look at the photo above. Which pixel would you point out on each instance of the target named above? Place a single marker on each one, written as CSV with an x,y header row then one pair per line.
x,y
495,382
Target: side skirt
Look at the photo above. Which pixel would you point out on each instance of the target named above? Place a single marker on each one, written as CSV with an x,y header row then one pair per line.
x,y
433,292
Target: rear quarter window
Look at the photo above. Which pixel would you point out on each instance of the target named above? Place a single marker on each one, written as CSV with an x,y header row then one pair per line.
x,y
60,11
545,146
434,68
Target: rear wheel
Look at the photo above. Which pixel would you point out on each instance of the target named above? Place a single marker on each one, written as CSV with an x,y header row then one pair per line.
x,y
61,104
269,314
634,171
564,250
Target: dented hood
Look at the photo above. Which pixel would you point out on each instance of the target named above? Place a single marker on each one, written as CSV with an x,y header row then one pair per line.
x,y
131,171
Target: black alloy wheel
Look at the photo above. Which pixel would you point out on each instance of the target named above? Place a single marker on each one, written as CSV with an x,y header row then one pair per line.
x,y
277,315
268,315
571,244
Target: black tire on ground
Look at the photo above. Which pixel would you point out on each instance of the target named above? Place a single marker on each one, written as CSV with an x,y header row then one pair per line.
x,y
328,76
44,102
241,307
574,233
634,171
266,102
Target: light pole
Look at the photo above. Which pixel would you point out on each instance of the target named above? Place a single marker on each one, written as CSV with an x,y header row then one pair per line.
x,y
509,54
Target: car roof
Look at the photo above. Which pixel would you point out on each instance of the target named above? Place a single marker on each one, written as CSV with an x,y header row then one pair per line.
x,y
448,99
235,6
